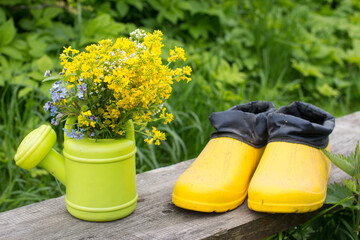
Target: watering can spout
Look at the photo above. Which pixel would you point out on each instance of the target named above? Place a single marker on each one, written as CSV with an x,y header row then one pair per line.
x,y
36,149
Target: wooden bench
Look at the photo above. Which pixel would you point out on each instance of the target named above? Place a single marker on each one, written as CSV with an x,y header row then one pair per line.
x,y
157,218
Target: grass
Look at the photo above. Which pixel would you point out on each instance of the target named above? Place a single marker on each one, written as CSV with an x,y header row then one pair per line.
x,y
19,115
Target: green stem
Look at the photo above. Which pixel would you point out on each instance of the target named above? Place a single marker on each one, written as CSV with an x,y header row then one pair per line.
x,y
79,21
357,222
323,212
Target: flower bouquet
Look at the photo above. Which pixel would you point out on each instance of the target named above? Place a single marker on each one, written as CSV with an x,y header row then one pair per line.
x,y
102,93
110,83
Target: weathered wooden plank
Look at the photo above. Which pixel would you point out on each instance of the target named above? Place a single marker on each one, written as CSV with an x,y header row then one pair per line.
x,y
157,218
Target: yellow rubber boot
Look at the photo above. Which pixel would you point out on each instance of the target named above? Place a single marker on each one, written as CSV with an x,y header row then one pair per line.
x,y
218,179
293,172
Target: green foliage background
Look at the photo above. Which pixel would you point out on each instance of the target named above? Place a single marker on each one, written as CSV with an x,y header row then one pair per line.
x,y
240,51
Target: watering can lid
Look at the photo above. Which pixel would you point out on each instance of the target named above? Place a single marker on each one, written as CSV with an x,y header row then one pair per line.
x,y
35,146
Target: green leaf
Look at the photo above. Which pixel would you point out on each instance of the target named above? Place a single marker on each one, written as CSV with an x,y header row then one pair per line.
x,y
337,192
197,30
37,13
193,6
137,3
11,52
7,32
51,78
122,8
353,56
37,45
186,5
52,12
250,63
35,172
229,74
23,80
36,76
24,91
11,2
4,64
356,159
27,23
97,24
322,51
114,28
172,15
307,69
342,162
351,185
326,90
20,44
342,83
2,15
45,87
84,108
45,63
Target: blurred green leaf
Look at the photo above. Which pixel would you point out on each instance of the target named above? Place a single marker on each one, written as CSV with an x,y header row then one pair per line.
x,y
24,91
37,13
37,45
27,23
35,172
10,2
353,56
307,69
342,83
122,8
38,76
7,32
22,79
3,62
52,12
250,63
229,74
96,24
45,63
2,15
20,45
326,90
139,4
62,32
11,52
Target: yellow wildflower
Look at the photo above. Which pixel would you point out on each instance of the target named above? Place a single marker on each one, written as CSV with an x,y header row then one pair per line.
x,y
125,79
176,54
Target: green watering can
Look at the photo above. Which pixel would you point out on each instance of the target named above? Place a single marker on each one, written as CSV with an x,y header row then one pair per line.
x,y
99,174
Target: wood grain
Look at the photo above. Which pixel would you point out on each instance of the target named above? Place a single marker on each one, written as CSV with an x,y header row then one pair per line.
x,y
157,218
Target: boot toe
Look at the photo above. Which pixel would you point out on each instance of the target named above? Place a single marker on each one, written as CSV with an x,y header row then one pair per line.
x,y
291,178
198,197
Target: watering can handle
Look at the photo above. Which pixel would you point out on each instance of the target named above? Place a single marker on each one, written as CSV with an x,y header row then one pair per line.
x,y
129,128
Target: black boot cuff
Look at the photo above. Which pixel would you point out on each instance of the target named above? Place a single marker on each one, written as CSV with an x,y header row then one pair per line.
x,y
301,123
245,122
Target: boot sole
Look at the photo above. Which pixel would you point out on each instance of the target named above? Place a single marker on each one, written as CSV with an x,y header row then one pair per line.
x,y
284,208
207,207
